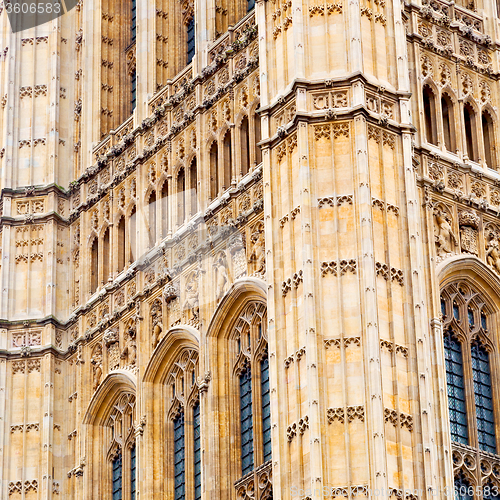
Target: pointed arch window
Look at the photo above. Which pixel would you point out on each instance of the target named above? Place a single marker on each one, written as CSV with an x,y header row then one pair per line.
x,y
214,171
94,265
122,450
191,41
133,24
121,244
468,348
228,160
252,378
488,140
430,115
244,146
184,427
448,123
470,132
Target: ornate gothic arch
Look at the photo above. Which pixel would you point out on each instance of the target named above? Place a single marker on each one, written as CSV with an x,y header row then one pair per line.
x,y
109,426
237,347
172,387
470,307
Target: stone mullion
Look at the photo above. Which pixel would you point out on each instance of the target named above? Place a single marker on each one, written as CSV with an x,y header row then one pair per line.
x,y
47,428
443,431
353,30
342,325
309,312
7,249
395,383
4,422
145,442
401,49
419,323
369,311
261,22
299,28
49,233
277,373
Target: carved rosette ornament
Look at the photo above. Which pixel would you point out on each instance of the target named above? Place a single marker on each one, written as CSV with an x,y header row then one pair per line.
x,y
469,223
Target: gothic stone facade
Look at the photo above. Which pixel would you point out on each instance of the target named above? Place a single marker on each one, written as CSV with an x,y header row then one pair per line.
x,y
250,251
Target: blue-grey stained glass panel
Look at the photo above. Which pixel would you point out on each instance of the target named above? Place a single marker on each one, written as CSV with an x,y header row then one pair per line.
x,y
455,384
132,473
443,307
470,315
463,489
197,452
456,311
483,398
133,26
117,477
179,459
266,408
251,5
483,321
190,40
491,492
133,100
246,421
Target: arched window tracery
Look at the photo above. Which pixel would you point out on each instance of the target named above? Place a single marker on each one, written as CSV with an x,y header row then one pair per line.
x,y
251,376
429,99
121,448
468,323
488,140
183,426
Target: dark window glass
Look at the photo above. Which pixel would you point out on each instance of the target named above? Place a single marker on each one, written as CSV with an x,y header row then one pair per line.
x,y
470,316
132,473
443,307
491,492
133,25
117,477
488,140
463,489
483,320
447,113
179,454
197,452
251,5
483,398
266,408
133,101
456,312
455,384
246,421
469,132
190,41
429,114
